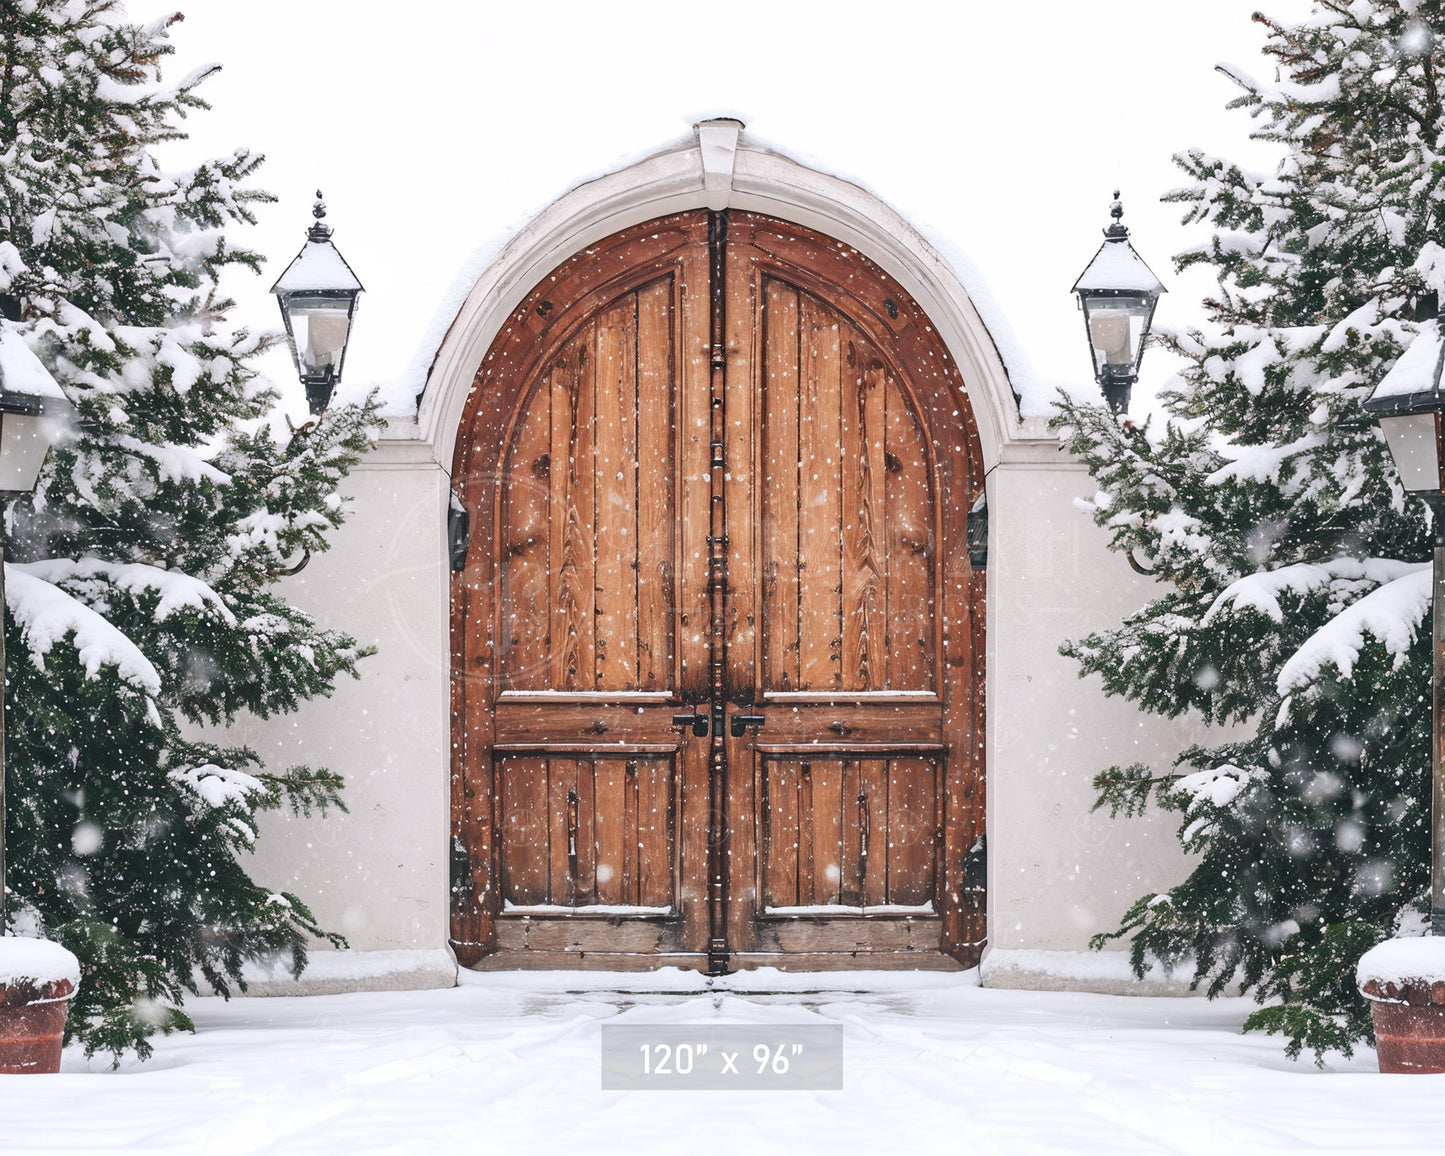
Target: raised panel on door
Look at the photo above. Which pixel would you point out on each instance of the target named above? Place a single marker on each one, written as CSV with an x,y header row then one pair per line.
x,y
846,836
587,834
588,533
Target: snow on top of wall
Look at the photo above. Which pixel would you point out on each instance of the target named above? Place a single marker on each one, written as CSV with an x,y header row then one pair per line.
x,y
1036,394
36,961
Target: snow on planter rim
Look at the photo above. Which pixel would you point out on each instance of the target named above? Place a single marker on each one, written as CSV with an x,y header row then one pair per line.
x,y
36,961
1418,957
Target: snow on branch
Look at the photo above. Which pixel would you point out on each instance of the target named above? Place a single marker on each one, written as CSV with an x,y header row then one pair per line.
x,y
47,615
1391,614
176,591
1261,591
219,786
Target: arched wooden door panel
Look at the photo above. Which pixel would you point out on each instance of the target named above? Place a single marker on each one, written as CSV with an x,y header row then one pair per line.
x,y
717,645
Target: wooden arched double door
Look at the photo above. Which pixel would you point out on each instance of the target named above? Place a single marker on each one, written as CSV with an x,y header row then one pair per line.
x,y
717,644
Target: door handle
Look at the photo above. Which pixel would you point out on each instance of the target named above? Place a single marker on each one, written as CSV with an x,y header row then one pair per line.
x,y
741,722
573,801
697,720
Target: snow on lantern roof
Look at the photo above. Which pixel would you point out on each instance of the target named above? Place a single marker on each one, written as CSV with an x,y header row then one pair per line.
x,y
1116,266
1413,383
21,371
317,268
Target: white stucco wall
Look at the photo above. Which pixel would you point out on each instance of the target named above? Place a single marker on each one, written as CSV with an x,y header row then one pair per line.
x,y
377,874
1059,873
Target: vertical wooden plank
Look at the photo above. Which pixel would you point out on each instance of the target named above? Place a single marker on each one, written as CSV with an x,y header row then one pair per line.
x,y
632,832
525,550
573,623
738,374
784,836
850,829
864,665
911,658
873,774
654,870
655,595
807,836
616,537
561,778
562,627
913,819
585,775
610,791
582,543
819,500
827,823
523,807
779,484
694,417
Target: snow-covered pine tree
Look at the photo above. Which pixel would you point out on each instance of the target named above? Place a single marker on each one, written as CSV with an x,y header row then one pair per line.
x,y
1294,586
141,575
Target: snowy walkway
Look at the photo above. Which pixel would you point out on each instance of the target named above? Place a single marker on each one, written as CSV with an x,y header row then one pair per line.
x,y
510,1064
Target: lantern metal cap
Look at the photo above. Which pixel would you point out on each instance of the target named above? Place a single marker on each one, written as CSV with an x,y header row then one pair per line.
x,y
319,269
1413,383
1116,268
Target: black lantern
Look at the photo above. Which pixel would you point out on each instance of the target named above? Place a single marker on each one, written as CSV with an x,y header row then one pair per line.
x,y
1117,293
317,294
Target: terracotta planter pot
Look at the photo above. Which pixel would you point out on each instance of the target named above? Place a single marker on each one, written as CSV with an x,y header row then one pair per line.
x,y
1409,1017
32,1025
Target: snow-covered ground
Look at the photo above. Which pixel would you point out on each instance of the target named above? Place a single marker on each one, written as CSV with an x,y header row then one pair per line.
x,y
510,1064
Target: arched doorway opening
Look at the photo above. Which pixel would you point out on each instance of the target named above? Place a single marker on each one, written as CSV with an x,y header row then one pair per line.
x,y
717,644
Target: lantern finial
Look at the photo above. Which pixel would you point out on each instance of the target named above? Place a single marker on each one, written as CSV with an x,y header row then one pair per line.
x,y
320,231
1118,231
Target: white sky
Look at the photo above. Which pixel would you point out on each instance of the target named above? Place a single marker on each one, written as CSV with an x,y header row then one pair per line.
x,y
999,129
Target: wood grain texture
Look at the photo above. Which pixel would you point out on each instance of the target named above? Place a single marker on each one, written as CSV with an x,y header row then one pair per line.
x,y
819,500
656,483
781,558
615,536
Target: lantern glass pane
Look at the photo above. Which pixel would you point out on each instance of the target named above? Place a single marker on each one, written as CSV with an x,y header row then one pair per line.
x,y
25,439
1415,446
319,326
1116,330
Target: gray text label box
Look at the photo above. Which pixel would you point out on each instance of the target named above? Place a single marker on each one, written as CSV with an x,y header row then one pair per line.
x,y
719,1057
